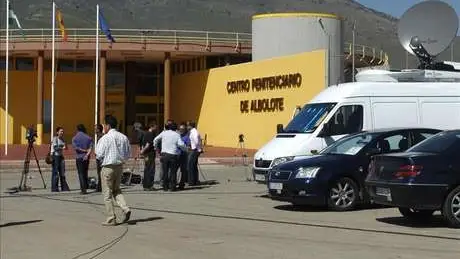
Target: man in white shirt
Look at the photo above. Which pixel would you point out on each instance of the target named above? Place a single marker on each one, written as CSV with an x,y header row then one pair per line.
x,y
113,150
171,143
196,150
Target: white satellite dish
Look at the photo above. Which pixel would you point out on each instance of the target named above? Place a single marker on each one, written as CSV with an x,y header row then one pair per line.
x,y
432,23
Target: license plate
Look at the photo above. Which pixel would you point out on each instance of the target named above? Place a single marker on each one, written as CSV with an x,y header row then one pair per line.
x,y
383,192
260,177
275,186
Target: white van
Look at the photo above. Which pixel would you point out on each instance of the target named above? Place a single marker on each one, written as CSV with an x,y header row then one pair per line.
x,y
381,99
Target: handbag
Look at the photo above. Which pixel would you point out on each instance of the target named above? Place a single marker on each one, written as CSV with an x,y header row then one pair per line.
x,y
49,157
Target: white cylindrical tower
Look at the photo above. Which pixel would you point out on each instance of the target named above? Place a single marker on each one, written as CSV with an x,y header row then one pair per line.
x,y
281,34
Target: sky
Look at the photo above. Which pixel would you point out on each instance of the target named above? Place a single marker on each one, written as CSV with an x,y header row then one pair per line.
x,y
397,8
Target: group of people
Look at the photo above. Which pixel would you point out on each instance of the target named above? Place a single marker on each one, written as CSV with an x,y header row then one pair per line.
x,y
179,148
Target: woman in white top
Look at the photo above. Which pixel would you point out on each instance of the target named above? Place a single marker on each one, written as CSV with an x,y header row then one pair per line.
x,y
58,146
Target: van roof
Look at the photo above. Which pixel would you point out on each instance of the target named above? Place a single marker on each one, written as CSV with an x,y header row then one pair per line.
x,y
337,93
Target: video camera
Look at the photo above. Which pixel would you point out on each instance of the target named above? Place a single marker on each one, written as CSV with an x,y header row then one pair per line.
x,y
31,134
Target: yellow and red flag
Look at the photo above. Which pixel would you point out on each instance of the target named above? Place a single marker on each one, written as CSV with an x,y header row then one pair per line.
x,y
61,26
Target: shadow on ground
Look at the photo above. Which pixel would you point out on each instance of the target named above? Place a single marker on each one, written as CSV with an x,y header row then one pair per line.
x,y
434,222
18,223
308,208
135,221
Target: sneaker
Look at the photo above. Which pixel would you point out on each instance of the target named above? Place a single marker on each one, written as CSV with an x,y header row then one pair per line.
x,y
127,216
109,223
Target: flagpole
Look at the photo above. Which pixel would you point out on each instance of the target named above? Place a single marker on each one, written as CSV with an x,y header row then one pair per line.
x,y
53,64
96,101
6,73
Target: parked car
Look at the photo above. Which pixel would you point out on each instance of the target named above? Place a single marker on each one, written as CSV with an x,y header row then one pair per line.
x,y
422,180
336,176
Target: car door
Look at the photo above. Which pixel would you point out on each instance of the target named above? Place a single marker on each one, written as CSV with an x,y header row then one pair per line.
x,y
386,143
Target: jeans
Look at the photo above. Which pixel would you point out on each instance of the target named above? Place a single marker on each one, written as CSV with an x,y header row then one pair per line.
x,y
183,163
82,168
169,163
99,168
111,178
58,174
149,170
192,167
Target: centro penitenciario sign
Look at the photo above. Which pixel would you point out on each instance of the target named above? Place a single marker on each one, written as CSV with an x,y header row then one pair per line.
x,y
271,83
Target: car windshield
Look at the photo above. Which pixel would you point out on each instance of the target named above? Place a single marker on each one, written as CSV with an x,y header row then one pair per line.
x,y
438,143
350,145
309,118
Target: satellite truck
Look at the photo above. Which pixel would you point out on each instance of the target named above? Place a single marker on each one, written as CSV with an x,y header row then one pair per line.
x,y
428,96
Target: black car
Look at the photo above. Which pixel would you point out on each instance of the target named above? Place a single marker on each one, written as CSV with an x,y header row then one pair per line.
x,y
421,180
336,176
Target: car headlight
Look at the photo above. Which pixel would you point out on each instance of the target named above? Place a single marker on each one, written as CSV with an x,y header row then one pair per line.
x,y
307,172
281,160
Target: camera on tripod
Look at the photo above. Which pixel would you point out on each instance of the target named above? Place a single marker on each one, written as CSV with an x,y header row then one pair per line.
x,y
31,135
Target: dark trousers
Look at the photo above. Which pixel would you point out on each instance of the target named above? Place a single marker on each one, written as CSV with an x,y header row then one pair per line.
x,y
193,167
183,164
58,174
149,170
82,169
169,164
99,168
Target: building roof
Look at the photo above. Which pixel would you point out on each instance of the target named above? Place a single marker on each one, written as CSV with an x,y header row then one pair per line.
x,y
373,28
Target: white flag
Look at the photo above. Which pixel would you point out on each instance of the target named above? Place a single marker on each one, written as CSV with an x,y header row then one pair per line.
x,y
14,17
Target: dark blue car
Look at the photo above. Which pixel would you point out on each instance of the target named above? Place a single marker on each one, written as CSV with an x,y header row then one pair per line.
x,y
421,180
336,176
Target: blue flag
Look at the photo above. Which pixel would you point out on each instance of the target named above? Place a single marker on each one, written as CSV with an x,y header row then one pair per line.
x,y
105,28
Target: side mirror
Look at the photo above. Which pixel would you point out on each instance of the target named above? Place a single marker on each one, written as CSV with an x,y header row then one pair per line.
x,y
373,151
314,152
279,128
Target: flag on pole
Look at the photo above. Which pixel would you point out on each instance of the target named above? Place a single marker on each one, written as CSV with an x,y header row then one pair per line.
x,y
60,21
105,27
14,17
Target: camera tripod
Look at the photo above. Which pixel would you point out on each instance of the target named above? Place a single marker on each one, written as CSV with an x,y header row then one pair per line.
x,y
240,150
25,172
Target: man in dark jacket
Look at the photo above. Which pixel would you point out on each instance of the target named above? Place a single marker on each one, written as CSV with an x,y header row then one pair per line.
x,y
148,153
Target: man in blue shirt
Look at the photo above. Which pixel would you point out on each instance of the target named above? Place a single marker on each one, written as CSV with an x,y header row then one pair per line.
x,y
82,144
183,157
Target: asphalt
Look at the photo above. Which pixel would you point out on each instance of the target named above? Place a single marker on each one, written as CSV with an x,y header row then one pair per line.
x,y
227,217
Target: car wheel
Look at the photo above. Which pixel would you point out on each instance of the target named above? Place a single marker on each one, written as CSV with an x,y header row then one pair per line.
x,y
416,214
451,208
343,195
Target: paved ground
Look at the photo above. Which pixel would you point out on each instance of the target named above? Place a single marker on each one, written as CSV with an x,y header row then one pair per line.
x,y
231,219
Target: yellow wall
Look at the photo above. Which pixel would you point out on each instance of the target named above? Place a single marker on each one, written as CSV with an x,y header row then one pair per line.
x,y
203,96
22,104
74,104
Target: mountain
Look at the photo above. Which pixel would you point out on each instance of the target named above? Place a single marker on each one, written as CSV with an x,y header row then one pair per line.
x,y
373,28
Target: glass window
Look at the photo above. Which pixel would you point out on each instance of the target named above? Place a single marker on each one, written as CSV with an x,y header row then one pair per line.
x,y
115,67
421,136
84,66
3,63
350,145
25,64
47,116
65,65
309,118
162,85
146,108
115,75
146,68
438,143
347,120
147,85
162,108
394,143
